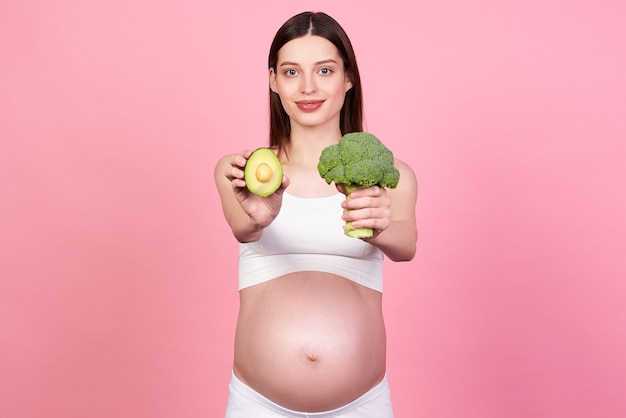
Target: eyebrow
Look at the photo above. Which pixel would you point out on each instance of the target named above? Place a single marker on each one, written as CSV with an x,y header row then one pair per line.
x,y
295,64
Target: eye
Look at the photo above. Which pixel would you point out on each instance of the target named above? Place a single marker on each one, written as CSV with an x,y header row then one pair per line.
x,y
325,71
291,72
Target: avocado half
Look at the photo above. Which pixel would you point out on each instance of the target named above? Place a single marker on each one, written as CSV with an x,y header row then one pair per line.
x,y
263,172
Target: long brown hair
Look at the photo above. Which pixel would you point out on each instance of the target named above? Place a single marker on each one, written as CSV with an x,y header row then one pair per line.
x,y
319,24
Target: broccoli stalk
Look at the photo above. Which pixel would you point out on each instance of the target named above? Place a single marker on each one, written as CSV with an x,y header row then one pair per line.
x,y
357,161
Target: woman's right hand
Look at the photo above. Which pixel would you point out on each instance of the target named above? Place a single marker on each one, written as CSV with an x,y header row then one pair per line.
x,y
261,211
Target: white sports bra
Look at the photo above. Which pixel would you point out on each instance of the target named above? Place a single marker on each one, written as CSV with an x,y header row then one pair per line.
x,y
307,235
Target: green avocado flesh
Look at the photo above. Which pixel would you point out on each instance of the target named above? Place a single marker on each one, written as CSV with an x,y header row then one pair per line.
x,y
263,172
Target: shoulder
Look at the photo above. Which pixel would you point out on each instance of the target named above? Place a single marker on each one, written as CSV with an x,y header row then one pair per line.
x,y
406,191
221,166
402,165
225,160
407,175
224,171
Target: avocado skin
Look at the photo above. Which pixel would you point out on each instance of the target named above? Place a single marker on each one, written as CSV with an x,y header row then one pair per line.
x,y
263,156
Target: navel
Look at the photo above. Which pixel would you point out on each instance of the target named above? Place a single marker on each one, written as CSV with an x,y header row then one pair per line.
x,y
312,358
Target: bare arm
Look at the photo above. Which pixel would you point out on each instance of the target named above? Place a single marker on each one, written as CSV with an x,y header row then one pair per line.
x,y
390,212
246,214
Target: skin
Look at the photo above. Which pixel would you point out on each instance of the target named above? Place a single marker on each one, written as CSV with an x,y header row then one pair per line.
x,y
313,341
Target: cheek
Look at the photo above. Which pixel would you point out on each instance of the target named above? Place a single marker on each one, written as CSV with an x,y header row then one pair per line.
x,y
286,88
341,92
336,89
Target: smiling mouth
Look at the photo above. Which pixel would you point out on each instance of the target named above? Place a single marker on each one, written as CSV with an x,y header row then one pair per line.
x,y
309,104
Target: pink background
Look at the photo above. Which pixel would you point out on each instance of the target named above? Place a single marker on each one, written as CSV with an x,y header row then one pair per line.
x,y
118,291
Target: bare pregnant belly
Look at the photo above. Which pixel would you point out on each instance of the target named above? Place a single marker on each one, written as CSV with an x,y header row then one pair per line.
x,y
310,341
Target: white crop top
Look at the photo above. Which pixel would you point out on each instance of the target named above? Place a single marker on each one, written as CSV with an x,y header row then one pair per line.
x,y
307,235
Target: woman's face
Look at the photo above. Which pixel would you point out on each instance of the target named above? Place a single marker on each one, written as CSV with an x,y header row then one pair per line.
x,y
310,81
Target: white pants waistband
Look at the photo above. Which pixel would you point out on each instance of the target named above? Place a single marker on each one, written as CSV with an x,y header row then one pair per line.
x,y
376,401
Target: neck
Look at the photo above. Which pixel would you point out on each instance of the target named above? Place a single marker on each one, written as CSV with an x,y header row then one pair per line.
x,y
307,143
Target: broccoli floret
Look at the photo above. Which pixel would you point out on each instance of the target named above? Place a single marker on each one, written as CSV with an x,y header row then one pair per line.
x,y
358,160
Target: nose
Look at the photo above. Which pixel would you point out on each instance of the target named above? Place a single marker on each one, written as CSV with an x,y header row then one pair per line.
x,y
308,84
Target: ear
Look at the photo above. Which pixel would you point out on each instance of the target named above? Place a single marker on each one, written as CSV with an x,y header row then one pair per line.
x,y
348,84
272,77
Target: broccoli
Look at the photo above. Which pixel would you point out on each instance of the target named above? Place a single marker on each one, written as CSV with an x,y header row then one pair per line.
x,y
357,161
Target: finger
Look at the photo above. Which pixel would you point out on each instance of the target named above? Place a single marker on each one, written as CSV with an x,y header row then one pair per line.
x,y
378,224
367,213
238,184
240,161
364,202
234,172
352,215
368,191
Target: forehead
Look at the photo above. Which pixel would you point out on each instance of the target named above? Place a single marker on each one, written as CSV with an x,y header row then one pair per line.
x,y
308,49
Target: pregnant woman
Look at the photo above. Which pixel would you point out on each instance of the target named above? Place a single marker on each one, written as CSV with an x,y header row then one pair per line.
x,y
310,338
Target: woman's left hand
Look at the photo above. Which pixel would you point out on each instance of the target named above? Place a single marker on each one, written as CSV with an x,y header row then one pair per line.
x,y
369,207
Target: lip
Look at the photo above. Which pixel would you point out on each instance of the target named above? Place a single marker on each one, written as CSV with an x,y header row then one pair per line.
x,y
309,105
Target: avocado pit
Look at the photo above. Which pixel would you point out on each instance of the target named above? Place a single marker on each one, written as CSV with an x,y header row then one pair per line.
x,y
263,173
